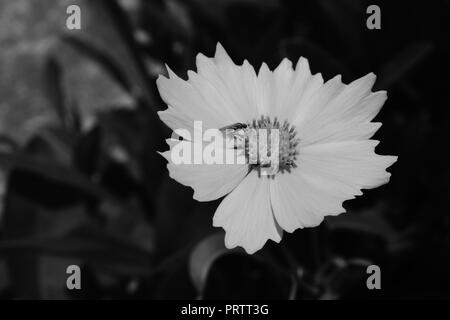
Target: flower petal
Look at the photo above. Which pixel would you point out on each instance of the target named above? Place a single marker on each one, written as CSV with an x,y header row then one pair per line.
x,y
327,175
177,120
354,164
209,181
273,88
302,90
298,203
229,88
343,114
246,215
187,102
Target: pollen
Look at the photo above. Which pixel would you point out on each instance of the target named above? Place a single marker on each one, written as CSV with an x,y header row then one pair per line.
x,y
270,146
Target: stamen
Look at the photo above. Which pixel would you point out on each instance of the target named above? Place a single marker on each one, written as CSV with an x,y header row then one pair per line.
x,y
258,144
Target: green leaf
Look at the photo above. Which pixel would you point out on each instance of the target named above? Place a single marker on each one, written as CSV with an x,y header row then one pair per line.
x,y
122,25
51,170
90,243
372,221
55,141
65,107
369,221
202,257
7,143
90,50
54,87
340,277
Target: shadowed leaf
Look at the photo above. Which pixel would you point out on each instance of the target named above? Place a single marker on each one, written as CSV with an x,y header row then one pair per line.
x,y
51,171
55,89
369,221
203,256
90,50
90,243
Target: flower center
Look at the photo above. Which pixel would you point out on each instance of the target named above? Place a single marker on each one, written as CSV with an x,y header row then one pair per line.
x,y
270,146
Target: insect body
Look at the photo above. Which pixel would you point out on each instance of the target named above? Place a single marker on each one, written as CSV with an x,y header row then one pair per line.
x,y
234,127
236,132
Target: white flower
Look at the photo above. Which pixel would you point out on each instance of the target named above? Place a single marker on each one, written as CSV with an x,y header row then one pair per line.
x,y
329,156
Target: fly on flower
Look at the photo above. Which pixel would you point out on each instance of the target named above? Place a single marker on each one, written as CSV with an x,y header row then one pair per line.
x,y
236,132
325,154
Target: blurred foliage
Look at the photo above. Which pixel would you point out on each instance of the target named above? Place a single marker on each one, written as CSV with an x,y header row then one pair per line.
x,y
88,187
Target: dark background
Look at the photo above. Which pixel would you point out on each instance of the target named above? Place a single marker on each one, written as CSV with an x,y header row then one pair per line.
x,y
82,183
